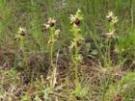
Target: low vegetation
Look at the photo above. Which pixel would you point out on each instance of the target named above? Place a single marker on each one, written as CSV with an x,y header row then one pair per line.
x,y
67,50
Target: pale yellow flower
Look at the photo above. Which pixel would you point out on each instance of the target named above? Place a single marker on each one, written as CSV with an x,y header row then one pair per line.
x,y
47,26
72,18
22,31
112,18
109,34
57,32
51,22
76,19
110,15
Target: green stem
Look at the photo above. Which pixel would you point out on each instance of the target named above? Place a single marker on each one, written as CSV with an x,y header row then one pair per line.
x,y
51,47
109,52
76,67
51,54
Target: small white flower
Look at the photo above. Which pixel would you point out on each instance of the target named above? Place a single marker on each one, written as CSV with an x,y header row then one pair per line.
x,y
57,32
72,18
109,34
47,26
110,15
51,21
114,20
22,31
